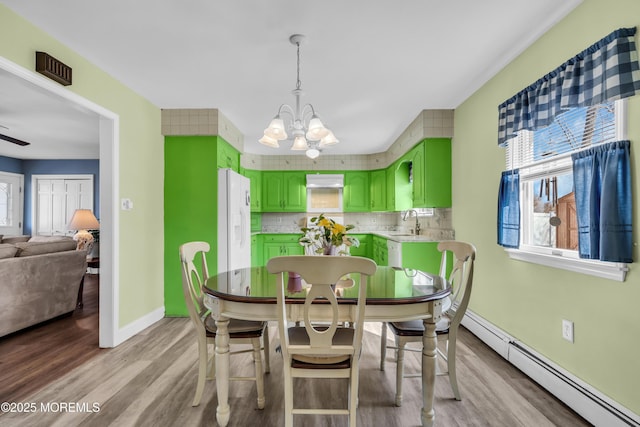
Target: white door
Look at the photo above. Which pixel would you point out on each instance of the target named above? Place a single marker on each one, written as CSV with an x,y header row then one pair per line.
x,y
56,200
11,203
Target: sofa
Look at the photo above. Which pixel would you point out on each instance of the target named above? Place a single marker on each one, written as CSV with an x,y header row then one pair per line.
x,y
39,279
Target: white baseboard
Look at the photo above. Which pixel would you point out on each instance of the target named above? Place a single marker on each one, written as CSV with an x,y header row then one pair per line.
x,y
138,325
584,399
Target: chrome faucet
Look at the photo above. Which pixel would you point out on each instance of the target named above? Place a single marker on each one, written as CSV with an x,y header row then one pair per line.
x,y
406,216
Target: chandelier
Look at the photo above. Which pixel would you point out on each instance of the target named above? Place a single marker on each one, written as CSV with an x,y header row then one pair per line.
x,y
307,131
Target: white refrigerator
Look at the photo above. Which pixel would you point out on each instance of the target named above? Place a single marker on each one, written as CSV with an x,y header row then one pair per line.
x,y
234,221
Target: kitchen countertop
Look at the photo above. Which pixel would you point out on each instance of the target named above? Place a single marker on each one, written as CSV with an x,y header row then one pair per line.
x,y
397,236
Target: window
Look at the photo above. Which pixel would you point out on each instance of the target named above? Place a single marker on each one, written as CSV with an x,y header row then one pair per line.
x,y
10,203
549,230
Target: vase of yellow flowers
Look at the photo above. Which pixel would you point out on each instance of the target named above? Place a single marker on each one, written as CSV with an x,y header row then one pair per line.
x,y
326,237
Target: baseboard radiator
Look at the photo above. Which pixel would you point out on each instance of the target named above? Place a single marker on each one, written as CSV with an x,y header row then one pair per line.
x,y
585,400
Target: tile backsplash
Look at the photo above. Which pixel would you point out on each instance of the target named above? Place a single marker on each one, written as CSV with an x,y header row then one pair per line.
x,y
438,226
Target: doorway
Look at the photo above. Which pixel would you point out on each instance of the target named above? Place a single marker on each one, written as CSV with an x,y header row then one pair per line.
x,y
108,140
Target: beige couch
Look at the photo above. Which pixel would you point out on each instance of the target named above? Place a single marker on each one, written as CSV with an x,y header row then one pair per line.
x,y
39,280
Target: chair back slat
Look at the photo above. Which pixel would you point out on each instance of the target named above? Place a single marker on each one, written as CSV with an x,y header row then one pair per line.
x,y
192,280
461,276
320,272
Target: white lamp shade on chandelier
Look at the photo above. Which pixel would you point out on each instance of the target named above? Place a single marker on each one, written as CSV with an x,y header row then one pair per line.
x,y
306,137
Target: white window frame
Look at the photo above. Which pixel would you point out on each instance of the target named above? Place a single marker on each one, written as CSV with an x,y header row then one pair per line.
x,y
556,257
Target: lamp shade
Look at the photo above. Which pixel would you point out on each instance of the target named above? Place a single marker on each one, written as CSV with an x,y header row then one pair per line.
x,y
299,143
330,139
276,129
83,219
268,141
316,129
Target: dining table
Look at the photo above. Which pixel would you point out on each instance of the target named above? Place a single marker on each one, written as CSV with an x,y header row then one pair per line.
x,y
393,294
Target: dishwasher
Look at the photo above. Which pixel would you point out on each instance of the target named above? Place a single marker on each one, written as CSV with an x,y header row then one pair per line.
x,y
395,253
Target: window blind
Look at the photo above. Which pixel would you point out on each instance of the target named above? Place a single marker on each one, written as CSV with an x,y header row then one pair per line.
x,y
573,130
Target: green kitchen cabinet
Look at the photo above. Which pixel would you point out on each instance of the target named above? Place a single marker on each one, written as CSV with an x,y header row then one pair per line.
x,y
432,173
255,179
256,250
378,190
380,250
399,185
390,178
274,245
356,192
365,248
227,156
421,256
284,192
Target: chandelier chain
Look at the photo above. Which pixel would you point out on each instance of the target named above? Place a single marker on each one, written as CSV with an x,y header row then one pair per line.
x,y
298,83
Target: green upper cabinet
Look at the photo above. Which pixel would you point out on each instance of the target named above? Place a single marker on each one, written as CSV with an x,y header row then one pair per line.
x,y
416,157
227,156
390,177
434,176
255,177
356,191
284,192
378,190
399,185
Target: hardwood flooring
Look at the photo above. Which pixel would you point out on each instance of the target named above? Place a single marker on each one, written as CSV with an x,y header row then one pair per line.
x,y
37,356
150,381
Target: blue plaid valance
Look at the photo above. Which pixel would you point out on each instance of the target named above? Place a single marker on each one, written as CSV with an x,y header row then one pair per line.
x,y
606,71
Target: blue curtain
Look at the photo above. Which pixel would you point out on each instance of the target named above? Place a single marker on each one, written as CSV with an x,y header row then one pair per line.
x,y
606,71
509,209
602,184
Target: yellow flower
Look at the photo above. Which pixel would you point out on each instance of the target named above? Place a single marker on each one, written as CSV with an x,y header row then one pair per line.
x,y
324,222
338,228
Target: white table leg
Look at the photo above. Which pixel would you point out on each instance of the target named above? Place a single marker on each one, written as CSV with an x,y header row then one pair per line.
x,y
429,357
222,371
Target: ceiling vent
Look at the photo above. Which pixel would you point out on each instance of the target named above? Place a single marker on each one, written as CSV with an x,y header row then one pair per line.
x,y
52,68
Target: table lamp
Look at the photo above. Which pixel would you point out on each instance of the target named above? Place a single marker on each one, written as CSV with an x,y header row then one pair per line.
x,y
83,220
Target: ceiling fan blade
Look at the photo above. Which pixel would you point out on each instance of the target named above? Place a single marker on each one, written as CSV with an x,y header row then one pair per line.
x,y
14,140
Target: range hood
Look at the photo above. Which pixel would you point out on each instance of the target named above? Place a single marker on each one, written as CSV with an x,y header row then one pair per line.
x,y
325,181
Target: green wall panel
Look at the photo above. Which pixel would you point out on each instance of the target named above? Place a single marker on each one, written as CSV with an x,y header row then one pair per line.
x,y
190,210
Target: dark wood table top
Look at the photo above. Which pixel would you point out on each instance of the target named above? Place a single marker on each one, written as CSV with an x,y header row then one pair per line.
x,y
389,285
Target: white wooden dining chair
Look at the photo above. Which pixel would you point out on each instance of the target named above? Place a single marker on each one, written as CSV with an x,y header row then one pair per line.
x,y
240,331
323,347
461,280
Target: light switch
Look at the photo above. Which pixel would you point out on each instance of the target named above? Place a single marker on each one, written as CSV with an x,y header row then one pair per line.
x,y
126,204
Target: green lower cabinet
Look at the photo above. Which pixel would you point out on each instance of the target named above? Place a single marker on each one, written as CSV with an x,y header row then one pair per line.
x,y
380,251
365,248
274,245
256,250
421,256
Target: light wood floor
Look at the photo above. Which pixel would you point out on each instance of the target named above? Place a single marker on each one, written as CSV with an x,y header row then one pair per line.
x,y
150,379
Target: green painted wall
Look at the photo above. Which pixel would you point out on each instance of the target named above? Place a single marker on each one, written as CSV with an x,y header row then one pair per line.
x,y
191,208
527,300
140,170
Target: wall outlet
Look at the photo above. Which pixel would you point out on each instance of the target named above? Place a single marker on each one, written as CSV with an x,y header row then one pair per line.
x,y
567,330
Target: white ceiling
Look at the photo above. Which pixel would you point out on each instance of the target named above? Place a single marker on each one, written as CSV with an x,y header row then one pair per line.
x,y
367,67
